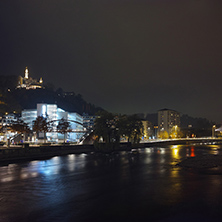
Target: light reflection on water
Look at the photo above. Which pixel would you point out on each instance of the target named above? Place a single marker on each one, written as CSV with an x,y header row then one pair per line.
x,y
80,180
214,149
42,167
74,162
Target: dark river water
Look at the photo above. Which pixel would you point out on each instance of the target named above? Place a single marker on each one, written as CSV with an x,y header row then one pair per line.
x,y
143,185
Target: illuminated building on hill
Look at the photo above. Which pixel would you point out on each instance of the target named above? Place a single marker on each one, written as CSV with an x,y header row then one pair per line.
x,y
27,82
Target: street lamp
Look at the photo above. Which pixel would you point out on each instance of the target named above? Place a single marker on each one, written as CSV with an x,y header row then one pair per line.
x,y
175,128
213,131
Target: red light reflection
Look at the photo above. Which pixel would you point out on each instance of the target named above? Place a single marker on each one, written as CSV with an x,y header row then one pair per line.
x,y
192,154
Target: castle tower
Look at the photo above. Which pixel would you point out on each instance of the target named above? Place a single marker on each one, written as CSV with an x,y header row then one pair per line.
x,y
20,80
26,73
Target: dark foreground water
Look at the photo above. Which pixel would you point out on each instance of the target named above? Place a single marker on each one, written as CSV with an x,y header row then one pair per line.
x,y
141,185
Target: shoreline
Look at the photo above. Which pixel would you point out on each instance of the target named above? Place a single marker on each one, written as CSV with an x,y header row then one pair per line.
x,y
28,153
20,154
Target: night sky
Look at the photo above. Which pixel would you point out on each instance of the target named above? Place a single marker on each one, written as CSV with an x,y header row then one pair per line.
x,y
127,56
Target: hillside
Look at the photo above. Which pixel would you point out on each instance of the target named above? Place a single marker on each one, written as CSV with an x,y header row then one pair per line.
x,y
12,99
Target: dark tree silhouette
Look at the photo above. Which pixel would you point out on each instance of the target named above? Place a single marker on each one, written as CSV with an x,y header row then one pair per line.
x,y
20,127
63,127
41,125
111,127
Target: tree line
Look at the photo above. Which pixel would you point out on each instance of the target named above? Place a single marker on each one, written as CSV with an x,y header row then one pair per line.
x,y
110,128
40,125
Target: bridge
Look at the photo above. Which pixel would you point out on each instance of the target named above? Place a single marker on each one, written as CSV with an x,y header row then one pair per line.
x,y
180,141
85,133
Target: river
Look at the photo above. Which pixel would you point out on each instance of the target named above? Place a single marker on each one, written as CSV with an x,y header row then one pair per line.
x,y
141,185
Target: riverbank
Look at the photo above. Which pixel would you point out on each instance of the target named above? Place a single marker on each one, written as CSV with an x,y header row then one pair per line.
x,y
14,154
30,152
26,152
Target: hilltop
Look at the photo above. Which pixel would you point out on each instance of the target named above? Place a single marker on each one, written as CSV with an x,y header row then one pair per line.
x,y
12,99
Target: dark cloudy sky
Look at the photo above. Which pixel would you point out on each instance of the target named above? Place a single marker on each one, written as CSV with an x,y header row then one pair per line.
x,y
127,56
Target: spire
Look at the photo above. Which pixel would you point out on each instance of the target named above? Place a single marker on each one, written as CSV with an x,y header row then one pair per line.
x,y
26,73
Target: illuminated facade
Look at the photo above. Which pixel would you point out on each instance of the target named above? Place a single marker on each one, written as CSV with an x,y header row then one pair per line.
x,y
27,82
29,116
53,114
168,121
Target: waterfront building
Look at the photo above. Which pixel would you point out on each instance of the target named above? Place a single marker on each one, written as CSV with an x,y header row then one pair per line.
x,y
28,82
53,114
168,123
28,116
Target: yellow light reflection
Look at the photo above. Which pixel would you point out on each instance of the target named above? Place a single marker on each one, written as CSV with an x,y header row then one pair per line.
x,y
175,152
214,151
176,155
174,172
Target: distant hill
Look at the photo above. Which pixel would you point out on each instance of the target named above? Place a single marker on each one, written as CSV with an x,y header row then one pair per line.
x,y
185,120
12,99
152,117
200,123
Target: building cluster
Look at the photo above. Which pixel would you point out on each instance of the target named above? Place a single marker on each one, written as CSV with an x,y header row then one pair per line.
x,y
78,125
54,114
168,120
168,125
